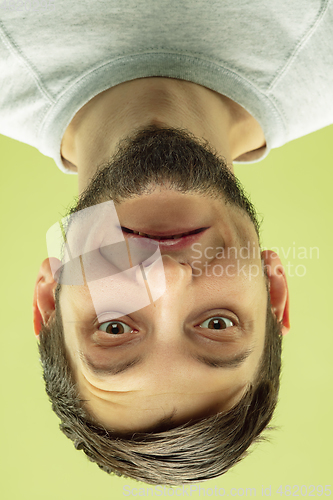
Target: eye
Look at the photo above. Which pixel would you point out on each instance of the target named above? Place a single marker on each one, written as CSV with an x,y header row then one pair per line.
x,y
115,327
217,323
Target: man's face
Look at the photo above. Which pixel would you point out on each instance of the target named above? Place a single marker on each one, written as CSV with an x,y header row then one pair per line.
x,y
194,351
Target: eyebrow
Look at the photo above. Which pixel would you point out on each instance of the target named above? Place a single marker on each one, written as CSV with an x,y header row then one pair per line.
x,y
116,368
215,362
110,368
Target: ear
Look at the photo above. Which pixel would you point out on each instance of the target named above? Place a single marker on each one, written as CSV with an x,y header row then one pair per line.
x,y
43,302
278,288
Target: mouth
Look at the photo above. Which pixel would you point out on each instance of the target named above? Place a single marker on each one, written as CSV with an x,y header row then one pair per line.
x,y
176,240
161,236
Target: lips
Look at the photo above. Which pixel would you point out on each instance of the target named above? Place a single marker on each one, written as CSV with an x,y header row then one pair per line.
x,y
168,241
163,236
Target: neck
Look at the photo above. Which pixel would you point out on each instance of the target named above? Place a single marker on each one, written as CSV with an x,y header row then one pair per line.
x,y
92,136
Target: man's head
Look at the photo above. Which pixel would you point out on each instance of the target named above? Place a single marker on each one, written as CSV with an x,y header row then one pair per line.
x,y
195,451
200,348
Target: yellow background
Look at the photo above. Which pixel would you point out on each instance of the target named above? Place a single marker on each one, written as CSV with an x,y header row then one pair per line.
x,y
292,188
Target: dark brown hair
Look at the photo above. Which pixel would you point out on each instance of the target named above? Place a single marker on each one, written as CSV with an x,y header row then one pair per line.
x,y
196,451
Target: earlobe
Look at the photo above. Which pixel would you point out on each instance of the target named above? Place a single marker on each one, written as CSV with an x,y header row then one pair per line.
x,y
43,300
278,288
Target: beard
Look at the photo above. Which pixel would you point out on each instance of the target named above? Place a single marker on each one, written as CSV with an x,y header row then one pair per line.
x,y
165,157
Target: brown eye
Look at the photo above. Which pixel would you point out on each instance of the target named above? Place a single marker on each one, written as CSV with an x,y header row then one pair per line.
x,y
217,323
115,327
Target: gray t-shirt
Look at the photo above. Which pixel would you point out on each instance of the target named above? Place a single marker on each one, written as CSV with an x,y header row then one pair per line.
x,y
273,58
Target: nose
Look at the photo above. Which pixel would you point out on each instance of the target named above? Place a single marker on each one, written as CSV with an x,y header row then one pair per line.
x,y
170,309
177,272
165,279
